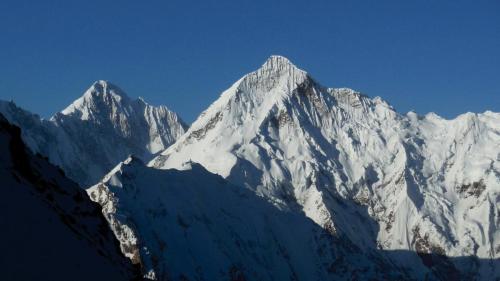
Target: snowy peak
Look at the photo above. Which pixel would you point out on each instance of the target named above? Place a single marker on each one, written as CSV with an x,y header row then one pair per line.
x,y
276,73
106,87
117,126
106,90
278,64
97,131
100,96
249,101
260,105
421,182
105,104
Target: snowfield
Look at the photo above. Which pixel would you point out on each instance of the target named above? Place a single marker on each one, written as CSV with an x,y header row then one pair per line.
x,y
190,224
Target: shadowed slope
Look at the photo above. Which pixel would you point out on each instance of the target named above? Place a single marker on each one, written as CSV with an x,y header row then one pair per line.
x,y
50,229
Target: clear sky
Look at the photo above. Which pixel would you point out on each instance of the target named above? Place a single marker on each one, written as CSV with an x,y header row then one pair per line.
x,y
425,55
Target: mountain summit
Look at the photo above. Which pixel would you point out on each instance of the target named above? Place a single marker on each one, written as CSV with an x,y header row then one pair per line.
x,y
97,131
354,165
106,107
101,91
276,72
278,65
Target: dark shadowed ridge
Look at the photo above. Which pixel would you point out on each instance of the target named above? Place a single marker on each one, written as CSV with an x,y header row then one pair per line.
x,y
50,229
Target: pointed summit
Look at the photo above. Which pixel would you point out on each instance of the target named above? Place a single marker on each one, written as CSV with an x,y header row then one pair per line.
x,y
101,92
279,65
278,62
276,73
103,87
104,126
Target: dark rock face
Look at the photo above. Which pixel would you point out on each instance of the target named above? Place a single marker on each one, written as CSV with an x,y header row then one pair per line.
x,y
474,189
200,133
434,257
50,227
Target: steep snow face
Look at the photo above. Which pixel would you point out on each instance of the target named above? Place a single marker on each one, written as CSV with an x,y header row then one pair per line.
x,y
50,227
190,224
106,107
354,165
458,180
97,131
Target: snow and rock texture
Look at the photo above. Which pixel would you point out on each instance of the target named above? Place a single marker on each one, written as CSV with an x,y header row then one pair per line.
x,y
50,229
97,131
358,168
190,224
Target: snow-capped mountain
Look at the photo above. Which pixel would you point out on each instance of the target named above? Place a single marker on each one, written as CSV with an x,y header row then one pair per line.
x,y
97,131
191,224
357,167
50,228
282,178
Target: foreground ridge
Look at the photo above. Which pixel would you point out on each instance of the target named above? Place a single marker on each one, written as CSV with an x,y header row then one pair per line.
x,y
199,226
53,230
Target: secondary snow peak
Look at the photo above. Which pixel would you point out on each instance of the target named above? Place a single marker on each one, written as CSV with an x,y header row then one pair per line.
x,y
105,88
97,131
101,91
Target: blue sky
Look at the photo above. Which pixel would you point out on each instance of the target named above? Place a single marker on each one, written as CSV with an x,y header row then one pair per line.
x,y
440,56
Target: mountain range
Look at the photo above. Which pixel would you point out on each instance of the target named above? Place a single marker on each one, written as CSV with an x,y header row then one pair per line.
x,y
282,178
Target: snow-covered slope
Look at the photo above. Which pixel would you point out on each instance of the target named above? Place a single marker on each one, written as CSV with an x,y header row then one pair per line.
x,y
97,131
355,166
50,229
190,224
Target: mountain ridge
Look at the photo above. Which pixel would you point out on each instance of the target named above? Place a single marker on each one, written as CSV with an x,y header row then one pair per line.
x,y
192,212
46,219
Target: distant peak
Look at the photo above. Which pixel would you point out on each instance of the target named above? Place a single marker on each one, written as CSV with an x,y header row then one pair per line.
x,y
101,90
105,87
276,62
102,83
